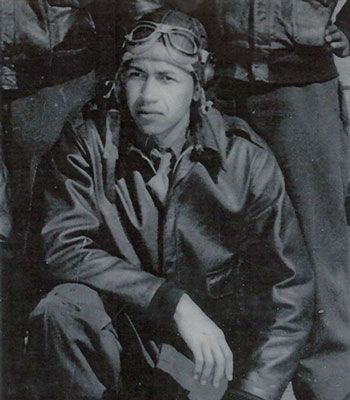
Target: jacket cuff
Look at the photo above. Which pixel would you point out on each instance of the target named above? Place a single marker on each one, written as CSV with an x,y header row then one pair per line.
x,y
239,395
163,305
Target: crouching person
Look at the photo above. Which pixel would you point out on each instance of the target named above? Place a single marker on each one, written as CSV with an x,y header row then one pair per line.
x,y
177,264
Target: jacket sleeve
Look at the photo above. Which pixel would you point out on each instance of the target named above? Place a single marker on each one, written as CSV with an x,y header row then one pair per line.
x,y
343,19
77,247
277,282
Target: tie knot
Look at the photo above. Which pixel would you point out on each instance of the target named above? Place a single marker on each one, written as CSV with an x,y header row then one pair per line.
x,y
159,184
162,160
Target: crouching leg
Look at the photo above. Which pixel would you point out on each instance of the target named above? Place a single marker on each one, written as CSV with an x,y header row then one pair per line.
x,y
73,350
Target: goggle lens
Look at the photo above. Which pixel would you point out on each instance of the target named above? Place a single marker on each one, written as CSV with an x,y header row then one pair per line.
x,y
141,33
183,42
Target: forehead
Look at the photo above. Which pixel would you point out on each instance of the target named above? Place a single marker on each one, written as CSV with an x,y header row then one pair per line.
x,y
153,66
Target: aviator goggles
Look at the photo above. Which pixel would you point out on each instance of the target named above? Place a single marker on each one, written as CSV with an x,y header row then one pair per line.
x,y
182,44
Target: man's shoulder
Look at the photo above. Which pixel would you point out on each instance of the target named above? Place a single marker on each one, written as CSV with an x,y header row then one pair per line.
x,y
89,122
238,128
246,149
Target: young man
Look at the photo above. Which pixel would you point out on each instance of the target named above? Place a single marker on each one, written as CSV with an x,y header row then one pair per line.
x,y
169,237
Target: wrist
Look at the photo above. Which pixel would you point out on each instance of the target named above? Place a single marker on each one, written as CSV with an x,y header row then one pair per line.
x,y
181,308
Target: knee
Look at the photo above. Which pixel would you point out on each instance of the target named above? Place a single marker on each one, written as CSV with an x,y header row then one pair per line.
x,y
69,305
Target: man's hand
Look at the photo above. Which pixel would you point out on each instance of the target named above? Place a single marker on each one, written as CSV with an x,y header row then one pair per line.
x,y
206,341
337,41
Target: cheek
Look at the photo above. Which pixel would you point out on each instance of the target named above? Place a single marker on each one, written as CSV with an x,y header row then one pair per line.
x,y
181,98
131,94
184,99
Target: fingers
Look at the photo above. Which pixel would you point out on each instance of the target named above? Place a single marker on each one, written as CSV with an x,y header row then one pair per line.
x,y
198,362
332,34
337,41
228,361
335,37
213,359
331,29
220,364
208,363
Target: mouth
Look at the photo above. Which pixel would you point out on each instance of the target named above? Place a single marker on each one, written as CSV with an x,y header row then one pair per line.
x,y
148,113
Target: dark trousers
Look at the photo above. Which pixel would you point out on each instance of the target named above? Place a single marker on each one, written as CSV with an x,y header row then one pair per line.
x,y
82,347
304,126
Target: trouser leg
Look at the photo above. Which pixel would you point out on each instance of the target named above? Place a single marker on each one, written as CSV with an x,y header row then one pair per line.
x,y
304,129
73,350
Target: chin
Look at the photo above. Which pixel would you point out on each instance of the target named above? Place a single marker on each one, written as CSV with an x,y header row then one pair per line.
x,y
150,131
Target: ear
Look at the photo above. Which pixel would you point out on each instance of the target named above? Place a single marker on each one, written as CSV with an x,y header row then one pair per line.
x,y
196,92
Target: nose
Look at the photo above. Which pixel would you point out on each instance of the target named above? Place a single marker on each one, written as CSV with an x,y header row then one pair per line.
x,y
149,90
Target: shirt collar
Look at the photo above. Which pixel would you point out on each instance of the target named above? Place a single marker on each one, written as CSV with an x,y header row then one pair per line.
x,y
145,144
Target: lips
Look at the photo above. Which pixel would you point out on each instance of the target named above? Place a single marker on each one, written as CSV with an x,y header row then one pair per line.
x,y
143,112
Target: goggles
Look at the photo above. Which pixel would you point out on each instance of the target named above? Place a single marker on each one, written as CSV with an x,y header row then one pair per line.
x,y
182,44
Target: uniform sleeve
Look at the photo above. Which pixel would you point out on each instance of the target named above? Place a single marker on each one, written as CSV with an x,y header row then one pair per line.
x,y
343,19
77,244
277,283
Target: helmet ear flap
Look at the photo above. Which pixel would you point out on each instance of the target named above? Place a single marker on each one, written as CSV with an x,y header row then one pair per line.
x,y
208,73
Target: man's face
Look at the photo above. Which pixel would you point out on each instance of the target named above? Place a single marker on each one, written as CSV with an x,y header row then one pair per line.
x,y
159,96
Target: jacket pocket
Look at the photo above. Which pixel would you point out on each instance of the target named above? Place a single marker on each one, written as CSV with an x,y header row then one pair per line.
x,y
220,283
310,19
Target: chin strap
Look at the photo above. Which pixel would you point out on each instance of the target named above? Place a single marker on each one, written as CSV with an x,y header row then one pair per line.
x,y
111,153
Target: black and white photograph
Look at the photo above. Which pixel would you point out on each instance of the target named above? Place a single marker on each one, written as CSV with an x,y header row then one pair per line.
x,y
175,199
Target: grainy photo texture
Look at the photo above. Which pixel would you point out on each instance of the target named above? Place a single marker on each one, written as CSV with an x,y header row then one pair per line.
x,y
175,199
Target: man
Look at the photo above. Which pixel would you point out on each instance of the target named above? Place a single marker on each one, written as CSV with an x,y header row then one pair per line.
x,y
47,59
275,69
169,237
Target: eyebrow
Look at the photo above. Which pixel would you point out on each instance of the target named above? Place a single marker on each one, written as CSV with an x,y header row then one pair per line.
x,y
166,72
161,71
135,67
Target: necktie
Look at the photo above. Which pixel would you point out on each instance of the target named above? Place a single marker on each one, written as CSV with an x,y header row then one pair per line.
x,y
159,184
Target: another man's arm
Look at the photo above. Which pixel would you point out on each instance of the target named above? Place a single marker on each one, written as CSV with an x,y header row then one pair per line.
x,y
277,283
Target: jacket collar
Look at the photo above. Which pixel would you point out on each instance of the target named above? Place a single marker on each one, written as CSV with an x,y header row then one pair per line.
x,y
209,143
208,140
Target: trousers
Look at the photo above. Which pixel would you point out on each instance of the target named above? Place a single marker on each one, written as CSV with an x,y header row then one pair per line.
x,y
81,347
305,128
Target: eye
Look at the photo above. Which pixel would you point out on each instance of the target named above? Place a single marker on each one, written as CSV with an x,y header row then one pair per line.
x,y
167,78
134,74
